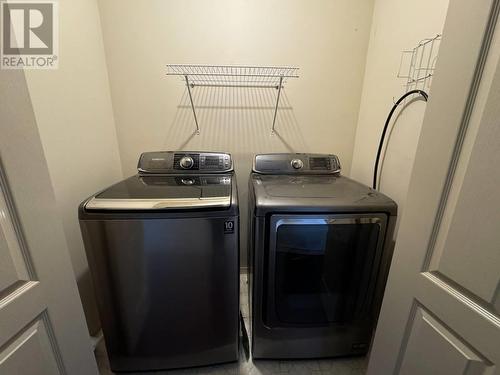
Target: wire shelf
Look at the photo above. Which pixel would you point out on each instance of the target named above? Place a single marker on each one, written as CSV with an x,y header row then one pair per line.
x,y
233,76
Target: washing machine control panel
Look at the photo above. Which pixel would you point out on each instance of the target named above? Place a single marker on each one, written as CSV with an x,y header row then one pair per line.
x,y
184,162
296,164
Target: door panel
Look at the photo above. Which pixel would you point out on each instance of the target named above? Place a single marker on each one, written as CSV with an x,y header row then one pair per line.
x,y
472,321
18,306
32,343
8,272
20,301
12,265
19,290
433,349
471,222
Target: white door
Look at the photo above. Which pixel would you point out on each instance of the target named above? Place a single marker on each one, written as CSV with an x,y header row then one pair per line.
x,y
42,327
441,310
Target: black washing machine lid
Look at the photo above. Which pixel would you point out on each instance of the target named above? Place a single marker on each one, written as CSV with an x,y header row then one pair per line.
x,y
165,192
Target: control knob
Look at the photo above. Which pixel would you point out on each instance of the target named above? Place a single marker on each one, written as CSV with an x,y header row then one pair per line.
x,y
186,162
297,164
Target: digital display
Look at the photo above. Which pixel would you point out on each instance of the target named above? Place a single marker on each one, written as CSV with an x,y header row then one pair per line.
x,y
319,163
211,161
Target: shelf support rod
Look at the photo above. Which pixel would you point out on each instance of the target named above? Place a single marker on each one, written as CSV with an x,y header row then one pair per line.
x,y
277,103
192,104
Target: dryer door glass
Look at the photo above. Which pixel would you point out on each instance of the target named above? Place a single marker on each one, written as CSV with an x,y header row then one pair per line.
x,y
323,269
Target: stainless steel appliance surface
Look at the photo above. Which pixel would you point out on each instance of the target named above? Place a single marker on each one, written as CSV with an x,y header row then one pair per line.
x,y
163,251
320,246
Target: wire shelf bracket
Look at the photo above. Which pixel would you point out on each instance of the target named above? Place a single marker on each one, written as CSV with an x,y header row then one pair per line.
x,y
233,76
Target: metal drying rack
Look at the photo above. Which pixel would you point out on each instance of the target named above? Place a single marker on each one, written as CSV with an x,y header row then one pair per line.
x,y
232,76
417,65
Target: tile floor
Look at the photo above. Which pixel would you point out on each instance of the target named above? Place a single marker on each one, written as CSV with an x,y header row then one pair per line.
x,y
246,366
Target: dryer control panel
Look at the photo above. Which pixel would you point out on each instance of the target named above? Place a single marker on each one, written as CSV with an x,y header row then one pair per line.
x,y
184,162
296,164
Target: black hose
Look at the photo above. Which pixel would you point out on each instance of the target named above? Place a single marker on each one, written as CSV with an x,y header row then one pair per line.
x,y
377,159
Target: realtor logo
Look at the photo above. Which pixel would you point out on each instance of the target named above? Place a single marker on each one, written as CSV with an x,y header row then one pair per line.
x,y
29,34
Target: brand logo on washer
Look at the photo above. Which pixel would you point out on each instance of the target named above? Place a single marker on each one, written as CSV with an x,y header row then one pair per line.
x,y
229,226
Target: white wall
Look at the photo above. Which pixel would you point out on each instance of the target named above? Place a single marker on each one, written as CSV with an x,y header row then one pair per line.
x,y
326,39
396,25
73,111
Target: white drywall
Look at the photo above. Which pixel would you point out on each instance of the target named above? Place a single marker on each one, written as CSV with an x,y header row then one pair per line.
x,y
396,26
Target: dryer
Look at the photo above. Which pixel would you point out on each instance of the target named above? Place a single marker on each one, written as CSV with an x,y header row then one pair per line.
x,y
163,251
320,246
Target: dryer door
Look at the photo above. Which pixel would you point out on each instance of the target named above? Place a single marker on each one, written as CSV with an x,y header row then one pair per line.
x,y
322,269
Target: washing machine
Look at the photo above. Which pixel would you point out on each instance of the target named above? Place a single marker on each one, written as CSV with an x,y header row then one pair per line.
x,y
320,246
163,252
